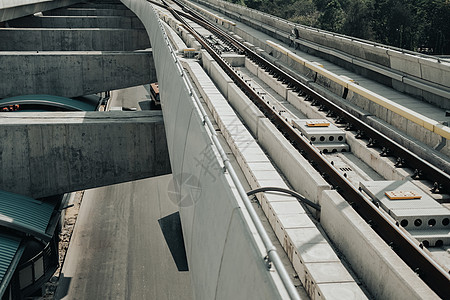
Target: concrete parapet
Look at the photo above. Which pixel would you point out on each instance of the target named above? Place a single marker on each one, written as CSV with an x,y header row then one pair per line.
x,y
384,273
77,22
56,153
221,79
245,107
44,39
206,61
278,86
72,74
435,72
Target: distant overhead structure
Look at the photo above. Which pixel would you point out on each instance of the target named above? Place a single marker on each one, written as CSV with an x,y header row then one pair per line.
x,y
48,103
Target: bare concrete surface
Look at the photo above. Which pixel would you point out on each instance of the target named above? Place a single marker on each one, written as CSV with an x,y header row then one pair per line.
x,y
87,150
136,97
118,250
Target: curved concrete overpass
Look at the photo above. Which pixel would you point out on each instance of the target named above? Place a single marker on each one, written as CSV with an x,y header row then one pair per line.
x,y
225,254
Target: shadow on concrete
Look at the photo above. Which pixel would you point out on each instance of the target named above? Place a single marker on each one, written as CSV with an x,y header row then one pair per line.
x,y
144,105
63,286
173,234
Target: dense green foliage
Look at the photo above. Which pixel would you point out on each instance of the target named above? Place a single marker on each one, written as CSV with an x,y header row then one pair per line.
x,y
420,25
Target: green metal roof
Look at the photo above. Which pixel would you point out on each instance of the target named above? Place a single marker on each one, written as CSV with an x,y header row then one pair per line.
x,y
49,100
25,214
8,249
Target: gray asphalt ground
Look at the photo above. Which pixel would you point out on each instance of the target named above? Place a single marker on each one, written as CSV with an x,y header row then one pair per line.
x,y
117,250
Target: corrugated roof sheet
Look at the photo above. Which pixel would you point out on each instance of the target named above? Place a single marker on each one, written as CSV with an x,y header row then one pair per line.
x,y
8,249
24,213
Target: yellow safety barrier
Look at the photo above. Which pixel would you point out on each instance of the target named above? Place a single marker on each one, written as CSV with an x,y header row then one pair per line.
x,y
408,114
278,47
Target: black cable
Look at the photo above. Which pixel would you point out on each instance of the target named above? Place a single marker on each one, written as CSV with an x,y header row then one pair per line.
x,y
283,190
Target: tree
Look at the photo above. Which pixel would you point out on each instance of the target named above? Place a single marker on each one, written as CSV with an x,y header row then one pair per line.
x,y
435,38
333,17
395,23
357,21
421,25
303,12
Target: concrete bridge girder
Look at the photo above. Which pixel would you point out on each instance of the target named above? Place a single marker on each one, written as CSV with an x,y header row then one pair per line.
x,y
58,152
89,12
45,39
77,22
71,74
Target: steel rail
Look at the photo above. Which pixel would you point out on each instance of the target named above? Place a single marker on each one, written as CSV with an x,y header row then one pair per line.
x,y
408,249
272,254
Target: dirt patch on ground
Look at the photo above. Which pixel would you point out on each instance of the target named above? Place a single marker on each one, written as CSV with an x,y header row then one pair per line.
x,y
65,235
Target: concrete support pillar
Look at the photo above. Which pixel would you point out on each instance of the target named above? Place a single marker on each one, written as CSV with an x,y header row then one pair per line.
x,y
52,153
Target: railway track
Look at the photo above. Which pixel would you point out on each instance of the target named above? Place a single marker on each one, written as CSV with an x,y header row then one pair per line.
x,y
408,249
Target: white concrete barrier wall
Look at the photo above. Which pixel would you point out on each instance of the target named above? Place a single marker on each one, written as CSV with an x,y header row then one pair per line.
x,y
225,255
220,78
